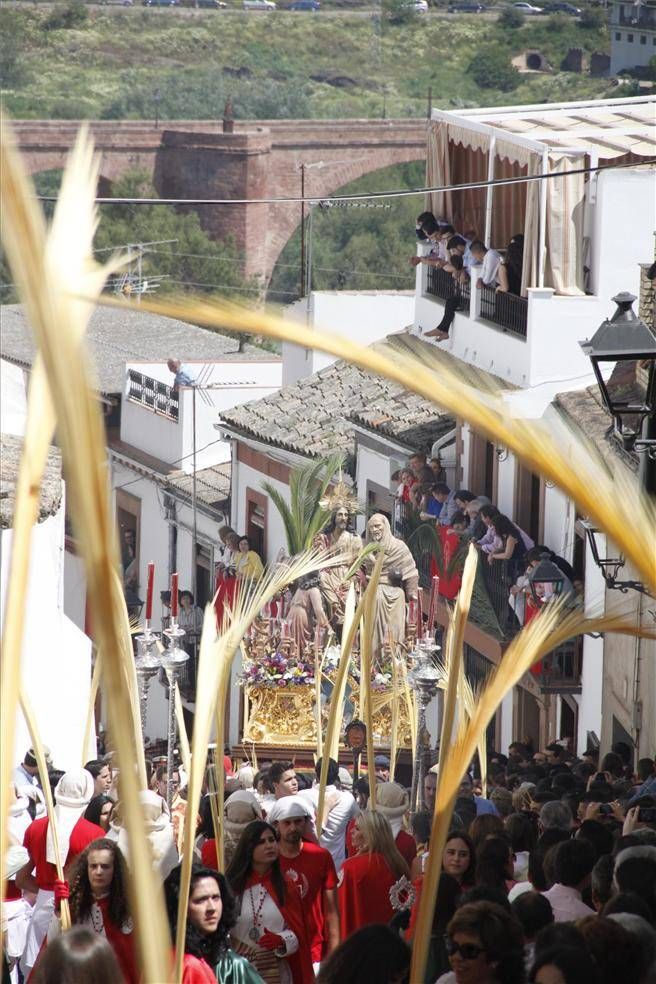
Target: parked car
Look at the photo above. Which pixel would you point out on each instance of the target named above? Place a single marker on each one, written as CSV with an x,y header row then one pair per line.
x,y
527,8
419,6
210,4
259,5
306,5
161,3
117,3
559,7
465,8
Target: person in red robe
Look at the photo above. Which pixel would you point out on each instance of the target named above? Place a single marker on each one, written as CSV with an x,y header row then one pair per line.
x,y
310,868
366,878
98,900
270,930
73,794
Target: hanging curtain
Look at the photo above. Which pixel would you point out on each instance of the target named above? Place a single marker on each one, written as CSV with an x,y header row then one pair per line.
x,y
531,227
438,169
565,205
468,165
508,203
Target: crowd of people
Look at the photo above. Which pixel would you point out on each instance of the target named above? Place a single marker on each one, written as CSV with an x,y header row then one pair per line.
x,y
463,517
458,254
547,876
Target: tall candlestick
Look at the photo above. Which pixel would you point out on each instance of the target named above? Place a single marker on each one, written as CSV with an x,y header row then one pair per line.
x,y
174,596
149,591
435,581
420,618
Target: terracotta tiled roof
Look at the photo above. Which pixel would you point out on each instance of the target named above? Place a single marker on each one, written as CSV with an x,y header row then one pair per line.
x,y
11,449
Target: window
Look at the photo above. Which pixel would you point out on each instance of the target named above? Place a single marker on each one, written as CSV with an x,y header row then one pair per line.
x,y
618,35
643,39
629,38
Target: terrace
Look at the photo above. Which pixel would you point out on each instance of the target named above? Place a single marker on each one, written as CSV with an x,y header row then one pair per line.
x,y
585,231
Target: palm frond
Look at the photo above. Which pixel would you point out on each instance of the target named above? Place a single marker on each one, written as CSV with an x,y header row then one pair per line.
x,y
548,447
553,626
52,272
423,539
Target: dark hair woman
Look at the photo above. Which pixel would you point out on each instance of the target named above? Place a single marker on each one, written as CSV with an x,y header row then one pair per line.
x,y
512,548
211,914
459,858
99,811
98,900
485,945
495,864
373,953
270,927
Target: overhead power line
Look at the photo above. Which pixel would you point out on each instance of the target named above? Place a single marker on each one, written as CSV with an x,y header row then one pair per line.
x,y
329,201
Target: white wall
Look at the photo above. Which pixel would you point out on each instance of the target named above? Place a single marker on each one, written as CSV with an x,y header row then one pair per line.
x,y
248,477
623,233
56,656
630,54
361,316
559,518
592,676
374,467
13,398
75,589
225,385
507,722
506,486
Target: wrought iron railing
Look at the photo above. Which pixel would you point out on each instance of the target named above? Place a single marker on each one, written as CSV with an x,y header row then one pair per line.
x,y
560,670
507,310
499,577
153,394
441,284
638,17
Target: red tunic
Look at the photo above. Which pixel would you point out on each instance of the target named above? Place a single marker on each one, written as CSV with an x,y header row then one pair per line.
x,y
293,913
196,971
313,873
35,841
406,846
121,943
209,855
364,892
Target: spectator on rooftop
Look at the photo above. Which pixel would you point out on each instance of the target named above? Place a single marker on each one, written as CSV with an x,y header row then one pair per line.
x,y
477,527
424,219
458,522
438,469
183,374
488,260
420,468
432,505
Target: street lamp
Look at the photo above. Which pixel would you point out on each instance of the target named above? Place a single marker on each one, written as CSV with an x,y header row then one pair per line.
x,y
546,581
609,566
623,356
424,678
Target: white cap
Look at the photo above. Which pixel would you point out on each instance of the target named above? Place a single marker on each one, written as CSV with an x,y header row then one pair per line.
x,y
289,808
345,778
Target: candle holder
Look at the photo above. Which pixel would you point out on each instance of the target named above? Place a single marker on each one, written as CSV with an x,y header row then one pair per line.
x,y
147,664
424,678
172,660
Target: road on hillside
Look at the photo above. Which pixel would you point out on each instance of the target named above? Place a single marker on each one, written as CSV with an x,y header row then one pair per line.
x,y
190,11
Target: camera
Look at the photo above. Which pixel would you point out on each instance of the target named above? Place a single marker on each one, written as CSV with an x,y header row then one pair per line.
x,y
605,809
647,814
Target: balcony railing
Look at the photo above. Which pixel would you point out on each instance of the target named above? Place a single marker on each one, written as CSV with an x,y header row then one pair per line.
x,y
638,17
441,284
507,310
151,393
560,670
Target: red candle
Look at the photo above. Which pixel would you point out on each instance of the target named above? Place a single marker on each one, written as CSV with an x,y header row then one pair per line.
x,y
174,595
435,582
420,618
149,591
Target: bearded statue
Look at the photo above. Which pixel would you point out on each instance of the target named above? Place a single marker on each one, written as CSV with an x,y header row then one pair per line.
x,y
399,582
334,583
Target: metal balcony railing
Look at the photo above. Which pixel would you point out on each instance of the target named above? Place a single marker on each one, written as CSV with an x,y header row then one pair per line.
x,y
560,670
507,310
441,284
151,393
638,17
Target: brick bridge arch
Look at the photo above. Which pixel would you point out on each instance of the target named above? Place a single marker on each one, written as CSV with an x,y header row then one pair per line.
x,y
260,159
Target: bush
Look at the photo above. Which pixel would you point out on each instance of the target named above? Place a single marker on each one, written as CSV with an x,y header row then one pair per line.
x,y
593,19
74,14
492,69
558,23
511,18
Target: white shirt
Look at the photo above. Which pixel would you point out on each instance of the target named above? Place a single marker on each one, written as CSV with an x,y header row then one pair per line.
x,y
258,908
333,836
490,268
566,903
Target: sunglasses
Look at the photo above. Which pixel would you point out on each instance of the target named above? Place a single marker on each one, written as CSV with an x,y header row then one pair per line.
x,y
468,951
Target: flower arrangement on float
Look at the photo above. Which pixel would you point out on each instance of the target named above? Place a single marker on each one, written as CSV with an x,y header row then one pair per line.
x,y
278,669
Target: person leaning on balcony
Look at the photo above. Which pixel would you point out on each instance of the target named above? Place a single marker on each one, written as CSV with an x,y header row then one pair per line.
x,y
443,494
437,235
510,268
488,260
248,561
512,548
459,266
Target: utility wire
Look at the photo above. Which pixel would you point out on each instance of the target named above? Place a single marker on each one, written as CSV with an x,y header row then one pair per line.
x,y
327,202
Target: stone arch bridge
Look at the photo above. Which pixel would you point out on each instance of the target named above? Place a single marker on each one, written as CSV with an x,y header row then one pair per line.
x,y
258,159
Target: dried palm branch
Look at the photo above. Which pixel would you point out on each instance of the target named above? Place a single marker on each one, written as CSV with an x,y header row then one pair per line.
x,y
548,447
550,629
44,779
366,674
214,664
51,272
93,693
